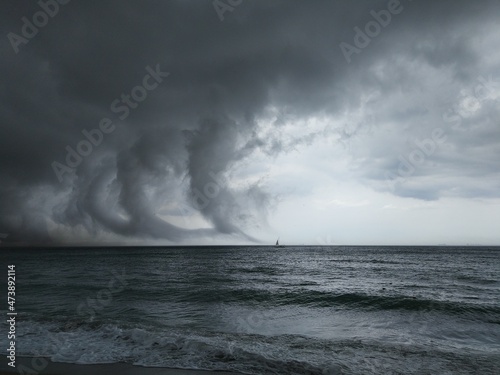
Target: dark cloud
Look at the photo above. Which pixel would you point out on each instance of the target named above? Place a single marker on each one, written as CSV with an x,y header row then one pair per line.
x,y
206,116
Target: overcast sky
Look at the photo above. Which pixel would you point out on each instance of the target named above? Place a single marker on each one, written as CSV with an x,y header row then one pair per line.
x,y
202,122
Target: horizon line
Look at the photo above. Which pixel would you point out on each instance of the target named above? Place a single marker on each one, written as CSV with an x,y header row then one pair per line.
x,y
26,246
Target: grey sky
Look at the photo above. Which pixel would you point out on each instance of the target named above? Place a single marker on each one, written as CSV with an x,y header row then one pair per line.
x,y
268,118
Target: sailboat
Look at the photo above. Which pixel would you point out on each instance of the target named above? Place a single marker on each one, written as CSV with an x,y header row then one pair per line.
x,y
278,243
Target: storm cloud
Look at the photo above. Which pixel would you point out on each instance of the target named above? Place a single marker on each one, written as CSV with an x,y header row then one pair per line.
x,y
412,108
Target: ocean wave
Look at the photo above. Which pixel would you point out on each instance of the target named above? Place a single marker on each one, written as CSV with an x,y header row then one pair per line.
x,y
245,353
282,296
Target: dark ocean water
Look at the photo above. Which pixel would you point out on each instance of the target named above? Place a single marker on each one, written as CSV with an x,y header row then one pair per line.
x,y
262,310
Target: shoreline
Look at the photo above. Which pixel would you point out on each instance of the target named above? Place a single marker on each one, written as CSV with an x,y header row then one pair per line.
x,y
24,366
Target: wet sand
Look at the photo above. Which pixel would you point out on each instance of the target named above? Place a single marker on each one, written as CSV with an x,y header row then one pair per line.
x,y
24,365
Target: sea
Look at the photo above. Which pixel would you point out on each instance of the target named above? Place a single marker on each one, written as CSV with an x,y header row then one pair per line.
x,y
260,310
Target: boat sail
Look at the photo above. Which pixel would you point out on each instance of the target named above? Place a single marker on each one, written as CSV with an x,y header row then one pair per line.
x,y
278,243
